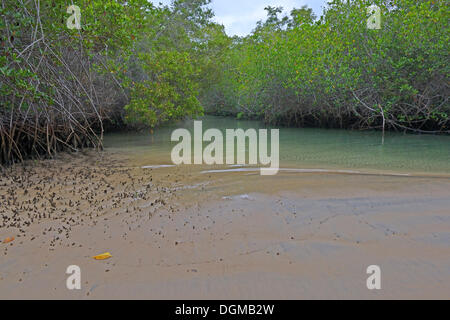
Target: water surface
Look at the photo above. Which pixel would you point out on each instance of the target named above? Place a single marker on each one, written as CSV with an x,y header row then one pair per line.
x,y
308,148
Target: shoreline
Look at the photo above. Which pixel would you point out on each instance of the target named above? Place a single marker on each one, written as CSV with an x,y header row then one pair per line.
x,y
175,233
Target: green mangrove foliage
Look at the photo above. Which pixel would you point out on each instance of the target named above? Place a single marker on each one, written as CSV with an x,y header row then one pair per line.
x,y
134,64
336,72
129,63
168,93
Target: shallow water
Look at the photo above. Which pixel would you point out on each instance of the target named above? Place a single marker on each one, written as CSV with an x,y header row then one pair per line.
x,y
341,202
307,148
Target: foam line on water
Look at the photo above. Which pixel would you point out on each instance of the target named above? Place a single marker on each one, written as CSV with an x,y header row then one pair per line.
x,y
159,166
297,170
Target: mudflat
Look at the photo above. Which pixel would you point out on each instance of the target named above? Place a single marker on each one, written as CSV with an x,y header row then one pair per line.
x,y
191,233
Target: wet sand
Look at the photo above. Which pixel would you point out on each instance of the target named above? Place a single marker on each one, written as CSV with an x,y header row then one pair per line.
x,y
178,233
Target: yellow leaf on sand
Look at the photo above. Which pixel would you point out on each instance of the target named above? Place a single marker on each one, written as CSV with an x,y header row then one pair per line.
x,y
8,240
103,256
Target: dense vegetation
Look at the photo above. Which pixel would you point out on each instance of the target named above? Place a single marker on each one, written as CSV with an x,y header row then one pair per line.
x,y
136,65
131,63
335,72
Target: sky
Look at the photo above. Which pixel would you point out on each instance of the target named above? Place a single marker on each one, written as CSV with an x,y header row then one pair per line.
x,y
240,16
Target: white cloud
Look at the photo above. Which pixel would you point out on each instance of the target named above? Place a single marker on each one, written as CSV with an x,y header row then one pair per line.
x,y
240,16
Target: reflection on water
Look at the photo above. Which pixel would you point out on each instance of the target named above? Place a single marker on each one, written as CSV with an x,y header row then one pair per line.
x,y
307,148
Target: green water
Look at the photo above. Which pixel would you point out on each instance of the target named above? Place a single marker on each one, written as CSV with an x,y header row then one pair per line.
x,y
309,148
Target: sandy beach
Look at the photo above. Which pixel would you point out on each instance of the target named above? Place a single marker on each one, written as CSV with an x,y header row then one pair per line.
x,y
186,233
